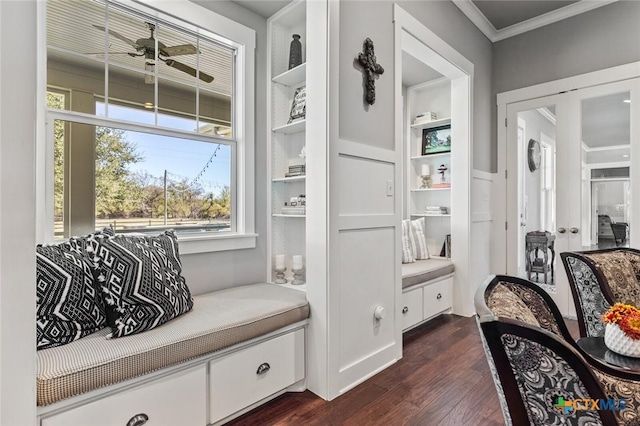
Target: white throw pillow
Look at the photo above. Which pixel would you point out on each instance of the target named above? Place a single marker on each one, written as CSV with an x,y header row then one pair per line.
x,y
418,240
407,253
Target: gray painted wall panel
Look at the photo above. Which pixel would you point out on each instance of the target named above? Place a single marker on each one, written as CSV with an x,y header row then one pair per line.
x,y
359,20
602,38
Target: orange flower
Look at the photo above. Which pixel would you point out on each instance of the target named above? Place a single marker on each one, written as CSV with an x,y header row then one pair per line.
x,y
627,317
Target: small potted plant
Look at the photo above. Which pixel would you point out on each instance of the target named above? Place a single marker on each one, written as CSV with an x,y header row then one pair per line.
x,y
622,329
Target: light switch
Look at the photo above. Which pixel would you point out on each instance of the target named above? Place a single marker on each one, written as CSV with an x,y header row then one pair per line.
x,y
389,188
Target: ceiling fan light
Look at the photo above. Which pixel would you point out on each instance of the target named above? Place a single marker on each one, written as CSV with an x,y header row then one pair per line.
x,y
149,67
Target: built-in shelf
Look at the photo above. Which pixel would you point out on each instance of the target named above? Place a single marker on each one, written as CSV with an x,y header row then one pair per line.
x,y
430,189
431,124
295,127
430,215
290,179
292,77
287,215
426,157
300,287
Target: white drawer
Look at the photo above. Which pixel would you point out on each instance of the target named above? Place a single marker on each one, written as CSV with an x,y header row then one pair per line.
x,y
179,399
249,375
437,297
411,308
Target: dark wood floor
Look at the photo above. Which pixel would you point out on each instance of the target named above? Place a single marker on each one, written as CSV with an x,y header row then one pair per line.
x,y
442,379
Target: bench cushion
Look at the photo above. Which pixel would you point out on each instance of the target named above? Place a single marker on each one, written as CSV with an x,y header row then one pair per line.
x,y
425,270
217,320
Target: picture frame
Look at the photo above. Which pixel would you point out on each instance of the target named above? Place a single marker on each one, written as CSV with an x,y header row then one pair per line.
x,y
436,140
298,104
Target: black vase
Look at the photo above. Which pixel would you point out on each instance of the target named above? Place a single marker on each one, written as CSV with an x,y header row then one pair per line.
x,y
295,52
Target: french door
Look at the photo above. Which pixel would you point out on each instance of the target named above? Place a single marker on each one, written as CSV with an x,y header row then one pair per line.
x,y
560,150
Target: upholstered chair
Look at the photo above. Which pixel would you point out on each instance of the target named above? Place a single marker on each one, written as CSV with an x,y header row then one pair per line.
x,y
538,371
520,324
598,279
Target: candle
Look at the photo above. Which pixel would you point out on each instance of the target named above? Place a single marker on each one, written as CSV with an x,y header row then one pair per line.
x,y
297,262
279,261
425,170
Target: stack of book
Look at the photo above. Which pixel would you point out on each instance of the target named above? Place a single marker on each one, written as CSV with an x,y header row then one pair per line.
x,y
436,210
297,170
441,185
425,117
294,210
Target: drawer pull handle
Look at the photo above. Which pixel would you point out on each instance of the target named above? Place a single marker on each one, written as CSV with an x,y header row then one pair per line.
x,y
439,296
405,310
138,420
264,367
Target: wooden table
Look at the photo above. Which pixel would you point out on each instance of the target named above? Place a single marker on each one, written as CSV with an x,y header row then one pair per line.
x,y
595,347
539,240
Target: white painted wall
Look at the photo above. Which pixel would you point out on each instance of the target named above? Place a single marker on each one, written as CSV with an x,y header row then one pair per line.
x,y
17,212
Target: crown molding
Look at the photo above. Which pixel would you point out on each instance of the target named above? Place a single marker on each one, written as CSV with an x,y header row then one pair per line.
x,y
479,20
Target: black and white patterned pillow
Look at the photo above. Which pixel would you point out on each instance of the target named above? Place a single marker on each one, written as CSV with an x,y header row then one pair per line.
x,y
68,305
141,281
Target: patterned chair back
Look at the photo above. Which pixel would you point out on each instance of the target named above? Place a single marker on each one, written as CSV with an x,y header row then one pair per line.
x,y
600,278
518,299
513,299
540,375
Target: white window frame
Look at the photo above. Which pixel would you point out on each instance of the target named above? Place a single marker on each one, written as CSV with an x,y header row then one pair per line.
x,y
243,39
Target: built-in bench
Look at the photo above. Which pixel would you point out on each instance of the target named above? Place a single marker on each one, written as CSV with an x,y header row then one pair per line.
x,y
427,287
235,349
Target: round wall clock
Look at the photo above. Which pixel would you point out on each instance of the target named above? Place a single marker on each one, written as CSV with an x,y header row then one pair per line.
x,y
534,154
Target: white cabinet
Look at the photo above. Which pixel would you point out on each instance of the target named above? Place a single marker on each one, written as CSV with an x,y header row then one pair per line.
x,y
214,390
423,302
411,308
286,141
437,298
178,399
250,375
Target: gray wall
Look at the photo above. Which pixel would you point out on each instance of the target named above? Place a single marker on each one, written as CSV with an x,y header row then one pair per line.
x,y
604,37
212,271
373,19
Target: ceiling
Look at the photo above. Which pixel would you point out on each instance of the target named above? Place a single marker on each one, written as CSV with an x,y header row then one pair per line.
x,y
606,121
502,14
501,19
264,8
497,19
414,71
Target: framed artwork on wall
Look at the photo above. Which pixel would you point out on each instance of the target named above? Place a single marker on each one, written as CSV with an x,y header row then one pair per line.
x,y
436,140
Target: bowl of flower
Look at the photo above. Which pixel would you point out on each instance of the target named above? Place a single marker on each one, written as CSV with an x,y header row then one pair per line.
x,y
622,330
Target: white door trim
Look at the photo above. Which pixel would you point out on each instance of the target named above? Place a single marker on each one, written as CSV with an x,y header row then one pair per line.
x,y
608,75
454,66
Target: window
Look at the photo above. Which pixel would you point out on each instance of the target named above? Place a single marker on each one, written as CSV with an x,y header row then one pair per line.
x,y
150,122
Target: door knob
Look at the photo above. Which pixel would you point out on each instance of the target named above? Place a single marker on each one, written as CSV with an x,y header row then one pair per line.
x,y
574,230
379,313
561,230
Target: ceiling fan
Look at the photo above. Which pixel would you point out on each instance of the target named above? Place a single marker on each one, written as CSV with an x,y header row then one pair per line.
x,y
147,47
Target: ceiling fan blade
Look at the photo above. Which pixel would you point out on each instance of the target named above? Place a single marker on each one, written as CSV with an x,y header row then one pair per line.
x,y
189,70
120,37
183,49
110,53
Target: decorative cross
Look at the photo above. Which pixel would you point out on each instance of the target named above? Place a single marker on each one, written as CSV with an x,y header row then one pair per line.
x,y
369,70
